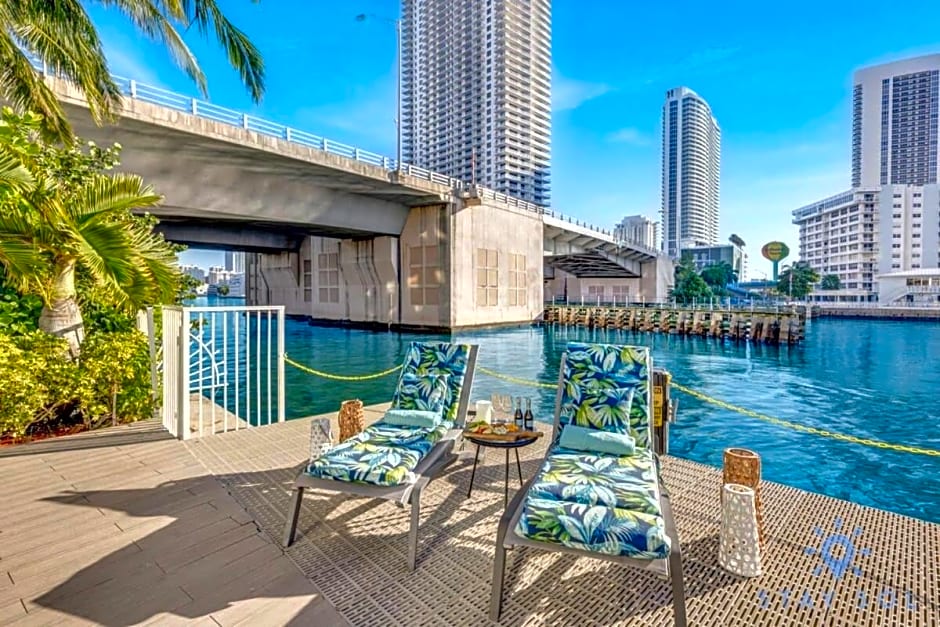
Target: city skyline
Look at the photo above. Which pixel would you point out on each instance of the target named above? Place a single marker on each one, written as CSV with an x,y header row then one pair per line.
x,y
783,93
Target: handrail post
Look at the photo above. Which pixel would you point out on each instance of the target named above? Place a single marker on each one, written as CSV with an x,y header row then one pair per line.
x,y
325,145
280,365
133,88
182,409
244,120
194,107
287,133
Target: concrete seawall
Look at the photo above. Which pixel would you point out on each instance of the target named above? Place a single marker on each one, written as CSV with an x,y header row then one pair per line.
x,y
878,313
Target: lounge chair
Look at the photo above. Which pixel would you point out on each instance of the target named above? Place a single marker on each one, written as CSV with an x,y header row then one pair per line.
x,y
607,506
396,463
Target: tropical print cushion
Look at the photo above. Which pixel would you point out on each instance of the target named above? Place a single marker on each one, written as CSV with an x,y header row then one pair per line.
x,y
382,454
602,408
439,358
609,366
421,391
597,479
599,503
594,528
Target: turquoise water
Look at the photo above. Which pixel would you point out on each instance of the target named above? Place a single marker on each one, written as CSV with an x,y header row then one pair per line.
x,y
873,379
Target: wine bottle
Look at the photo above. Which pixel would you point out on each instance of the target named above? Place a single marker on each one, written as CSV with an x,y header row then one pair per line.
x,y
528,419
518,415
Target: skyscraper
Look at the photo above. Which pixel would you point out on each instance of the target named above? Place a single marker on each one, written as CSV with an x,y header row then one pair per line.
x,y
234,261
476,92
639,230
691,167
894,123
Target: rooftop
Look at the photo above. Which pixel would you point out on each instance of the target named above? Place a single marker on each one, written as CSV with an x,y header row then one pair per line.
x,y
129,526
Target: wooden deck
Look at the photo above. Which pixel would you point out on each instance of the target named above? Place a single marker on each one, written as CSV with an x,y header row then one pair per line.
x,y
127,527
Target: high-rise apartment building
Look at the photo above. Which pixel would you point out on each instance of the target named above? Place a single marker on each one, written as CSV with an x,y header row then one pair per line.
x,y
638,230
895,123
476,92
889,222
839,235
234,261
691,169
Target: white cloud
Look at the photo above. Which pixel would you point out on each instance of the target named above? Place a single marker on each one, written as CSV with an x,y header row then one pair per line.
x,y
630,135
570,93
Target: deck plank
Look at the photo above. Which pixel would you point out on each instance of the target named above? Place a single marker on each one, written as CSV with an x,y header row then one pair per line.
x,y
126,526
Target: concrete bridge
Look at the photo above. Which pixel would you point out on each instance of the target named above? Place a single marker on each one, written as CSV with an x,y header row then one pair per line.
x,y
339,233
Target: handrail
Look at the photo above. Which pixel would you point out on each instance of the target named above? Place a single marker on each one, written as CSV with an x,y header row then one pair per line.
x,y
135,90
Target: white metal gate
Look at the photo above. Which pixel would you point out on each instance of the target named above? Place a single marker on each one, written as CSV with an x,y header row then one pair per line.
x,y
223,369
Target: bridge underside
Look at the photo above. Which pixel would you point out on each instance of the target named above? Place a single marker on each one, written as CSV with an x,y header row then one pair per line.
x,y
255,237
590,264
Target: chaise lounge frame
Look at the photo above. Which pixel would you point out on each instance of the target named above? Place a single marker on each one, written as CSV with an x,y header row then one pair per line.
x,y
441,455
507,538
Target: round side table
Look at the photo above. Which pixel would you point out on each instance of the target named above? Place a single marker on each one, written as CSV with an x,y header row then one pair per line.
x,y
508,445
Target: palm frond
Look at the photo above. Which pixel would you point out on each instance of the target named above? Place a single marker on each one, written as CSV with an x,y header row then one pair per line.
x,y
63,36
26,90
13,174
106,195
150,20
242,54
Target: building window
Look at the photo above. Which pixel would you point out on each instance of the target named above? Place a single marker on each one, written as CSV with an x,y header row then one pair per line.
x,y
487,277
517,281
619,293
595,293
308,282
328,265
424,275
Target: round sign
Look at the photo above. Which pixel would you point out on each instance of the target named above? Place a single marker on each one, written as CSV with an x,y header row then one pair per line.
x,y
775,251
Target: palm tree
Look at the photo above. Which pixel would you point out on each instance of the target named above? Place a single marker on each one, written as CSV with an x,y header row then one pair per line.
x,y
49,228
63,36
797,280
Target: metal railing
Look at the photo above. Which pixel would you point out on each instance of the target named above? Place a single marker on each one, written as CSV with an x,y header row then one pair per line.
x,y
222,369
135,90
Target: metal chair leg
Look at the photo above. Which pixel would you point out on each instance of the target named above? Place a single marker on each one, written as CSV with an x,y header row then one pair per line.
x,y
413,531
293,514
499,572
675,565
518,466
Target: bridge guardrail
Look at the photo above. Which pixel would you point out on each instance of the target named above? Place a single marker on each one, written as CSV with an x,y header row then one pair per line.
x,y
207,110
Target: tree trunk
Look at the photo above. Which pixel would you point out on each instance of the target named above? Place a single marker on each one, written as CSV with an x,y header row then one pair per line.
x,y
61,316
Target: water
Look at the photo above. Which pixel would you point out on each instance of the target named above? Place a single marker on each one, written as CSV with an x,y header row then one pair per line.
x,y
871,379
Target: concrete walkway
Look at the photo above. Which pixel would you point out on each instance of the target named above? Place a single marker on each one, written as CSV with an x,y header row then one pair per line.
x,y
125,526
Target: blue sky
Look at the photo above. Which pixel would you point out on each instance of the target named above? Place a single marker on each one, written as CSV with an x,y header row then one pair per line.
x,y
777,76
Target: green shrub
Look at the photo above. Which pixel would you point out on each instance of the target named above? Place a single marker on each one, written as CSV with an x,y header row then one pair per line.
x,y
37,381
18,314
114,371
110,383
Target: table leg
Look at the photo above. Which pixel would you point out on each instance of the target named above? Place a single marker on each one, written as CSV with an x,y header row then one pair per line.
x,y
474,471
506,482
518,466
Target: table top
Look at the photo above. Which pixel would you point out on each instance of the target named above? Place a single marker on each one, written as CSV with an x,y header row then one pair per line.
x,y
517,439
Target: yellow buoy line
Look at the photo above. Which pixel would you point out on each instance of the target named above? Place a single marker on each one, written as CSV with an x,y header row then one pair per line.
x,y
795,426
